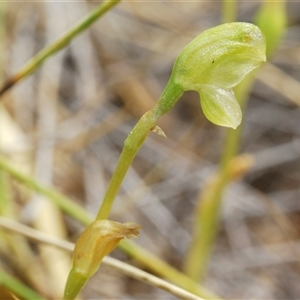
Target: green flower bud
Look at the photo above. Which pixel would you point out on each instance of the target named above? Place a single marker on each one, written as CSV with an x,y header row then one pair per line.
x,y
216,61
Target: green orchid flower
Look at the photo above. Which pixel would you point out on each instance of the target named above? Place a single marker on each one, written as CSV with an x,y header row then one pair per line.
x,y
216,61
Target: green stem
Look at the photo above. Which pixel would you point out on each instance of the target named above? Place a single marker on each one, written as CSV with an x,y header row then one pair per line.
x,y
229,11
78,281
205,228
60,43
131,146
133,143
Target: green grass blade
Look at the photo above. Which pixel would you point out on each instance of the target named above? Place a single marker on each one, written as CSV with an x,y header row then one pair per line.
x,y
229,11
59,44
62,201
272,20
18,288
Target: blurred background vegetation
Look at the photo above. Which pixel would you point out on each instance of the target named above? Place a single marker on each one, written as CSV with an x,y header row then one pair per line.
x,y
65,125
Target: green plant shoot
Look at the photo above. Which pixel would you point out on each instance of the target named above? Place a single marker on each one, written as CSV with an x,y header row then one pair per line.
x,y
212,64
